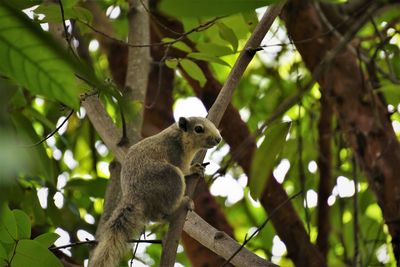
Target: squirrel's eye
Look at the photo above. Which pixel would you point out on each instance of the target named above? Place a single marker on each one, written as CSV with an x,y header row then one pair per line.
x,y
199,129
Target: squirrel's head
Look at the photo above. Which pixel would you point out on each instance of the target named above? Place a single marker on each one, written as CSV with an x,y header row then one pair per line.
x,y
199,132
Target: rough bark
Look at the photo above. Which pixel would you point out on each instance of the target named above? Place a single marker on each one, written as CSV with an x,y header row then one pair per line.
x,y
138,65
362,116
222,243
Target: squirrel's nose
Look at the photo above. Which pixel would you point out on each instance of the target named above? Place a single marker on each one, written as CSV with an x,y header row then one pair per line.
x,y
217,139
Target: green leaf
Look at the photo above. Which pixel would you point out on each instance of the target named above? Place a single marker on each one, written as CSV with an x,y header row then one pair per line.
x,y
228,35
36,61
23,224
193,71
208,58
31,206
395,58
391,92
47,239
39,163
90,187
198,8
178,45
69,3
23,4
214,49
171,63
264,158
8,225
3,255
182,46
52,13
251,19
374,212
33,254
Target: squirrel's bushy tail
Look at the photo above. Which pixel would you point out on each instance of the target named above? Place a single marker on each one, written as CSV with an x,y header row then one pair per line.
x,y
125,222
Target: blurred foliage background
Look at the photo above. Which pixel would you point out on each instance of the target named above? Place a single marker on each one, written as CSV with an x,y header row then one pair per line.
x,y
54,165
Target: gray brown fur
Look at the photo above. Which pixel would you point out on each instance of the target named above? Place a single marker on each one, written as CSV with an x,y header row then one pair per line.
x,y
153,184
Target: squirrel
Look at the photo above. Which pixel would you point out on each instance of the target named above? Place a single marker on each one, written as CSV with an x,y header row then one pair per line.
x,y
153,184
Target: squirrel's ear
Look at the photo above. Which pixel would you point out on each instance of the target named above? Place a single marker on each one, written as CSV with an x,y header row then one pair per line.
x,y
183,123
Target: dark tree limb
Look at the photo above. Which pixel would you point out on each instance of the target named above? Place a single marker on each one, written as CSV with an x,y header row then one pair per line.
x,y
362,116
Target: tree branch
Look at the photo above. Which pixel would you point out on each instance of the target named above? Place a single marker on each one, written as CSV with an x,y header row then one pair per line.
x,y
247,239
104,125
224,98
362,116
138,65
215,115
221,243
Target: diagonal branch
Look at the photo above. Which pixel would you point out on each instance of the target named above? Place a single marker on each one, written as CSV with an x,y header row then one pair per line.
x,y
224,98
104,125
221,243
215,115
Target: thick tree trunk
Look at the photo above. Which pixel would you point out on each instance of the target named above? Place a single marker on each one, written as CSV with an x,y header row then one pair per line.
x,y
362,116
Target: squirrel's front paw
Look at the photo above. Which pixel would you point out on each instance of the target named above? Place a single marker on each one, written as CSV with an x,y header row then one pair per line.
x,y
197,169
188,203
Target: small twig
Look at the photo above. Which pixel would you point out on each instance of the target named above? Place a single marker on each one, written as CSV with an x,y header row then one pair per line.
x,y
63,23
199,28
52,133
331,29
133,254
246,240
151,241
382,39
74,244
160,74
158,21
154,241
67,36
356,230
